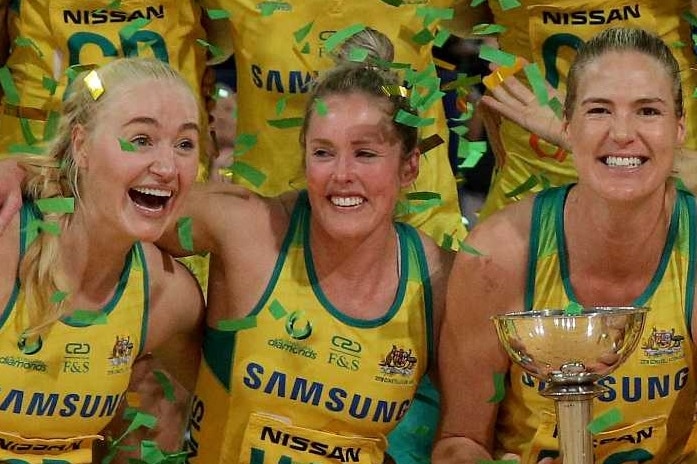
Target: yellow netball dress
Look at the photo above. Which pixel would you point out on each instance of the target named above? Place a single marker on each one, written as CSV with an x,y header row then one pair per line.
x,y
654,389
57,395
549,33
298,381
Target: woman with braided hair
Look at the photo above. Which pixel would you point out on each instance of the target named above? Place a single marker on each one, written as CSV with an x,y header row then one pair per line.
x,y
82,292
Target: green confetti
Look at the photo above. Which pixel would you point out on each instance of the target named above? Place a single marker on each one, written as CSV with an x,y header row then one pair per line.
x,y
321,107
166,384
488,29
236,325
268,8
423,196
244,143
127,31
605,421
218,13
85,317
341,36
557,107
463,81
249,173
116,4
150,453
477,2
51,127
285,123
358,54
306,49
8,86
499,388
524,187
441,37
423,37
126,145
433,14
537,82
690,18
412,120
302,33
50,227
28,43
406,207
214,50
678,44
27,133
470,152
277,310
58,296
447,243
467,248
394,2
573,309
509,4
496,56
281,104
72,71
56,205
139,419
185,233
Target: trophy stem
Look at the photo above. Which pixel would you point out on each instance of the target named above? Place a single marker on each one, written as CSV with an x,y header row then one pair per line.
x,y
574,409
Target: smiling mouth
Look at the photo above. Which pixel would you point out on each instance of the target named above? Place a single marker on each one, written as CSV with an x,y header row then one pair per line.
x,y
624,161
150,198
346,201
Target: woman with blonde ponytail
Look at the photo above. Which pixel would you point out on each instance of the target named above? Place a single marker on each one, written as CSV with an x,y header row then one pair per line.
x,y
83,291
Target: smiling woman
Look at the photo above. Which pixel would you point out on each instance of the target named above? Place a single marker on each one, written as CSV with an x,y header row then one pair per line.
x,y
83,295
623,235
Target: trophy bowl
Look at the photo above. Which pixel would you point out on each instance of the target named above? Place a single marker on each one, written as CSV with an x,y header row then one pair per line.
x,y
571,349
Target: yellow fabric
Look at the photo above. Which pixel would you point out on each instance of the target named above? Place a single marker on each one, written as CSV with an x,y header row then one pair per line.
x,y
559,26
654,389
271,67
67,392
309,366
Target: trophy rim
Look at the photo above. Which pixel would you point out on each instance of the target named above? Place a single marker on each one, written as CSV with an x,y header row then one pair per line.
x,y
588,311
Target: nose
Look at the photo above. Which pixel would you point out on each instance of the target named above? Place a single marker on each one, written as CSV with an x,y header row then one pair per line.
x,y
163,164
343,168
623,130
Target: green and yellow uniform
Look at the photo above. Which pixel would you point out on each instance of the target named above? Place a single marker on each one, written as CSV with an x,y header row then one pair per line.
x,y
300,381
654,389
549,33
57,395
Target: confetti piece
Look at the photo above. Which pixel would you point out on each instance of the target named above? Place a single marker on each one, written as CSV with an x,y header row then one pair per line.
x,y
56,205
277,310
573,309
470,152
29,43
557,107
509,4
27,133
58,296
467,248
412,120
524,187
249,173
50,227
496,77
268,8
306,49
218,13
499,388
496,56
244,143
422,37
85,317
410,207
477,2
51,126
8,86
441,37
140,419
285,123
447,242
236,325
358,54
433,14
605,421
690,18
185,233
16,148
341,36
150,453
126,145
214,50
488,29
94,84
281,104
395,90
321,107
127,32
166,384
302,33
537,82
429,143
394,2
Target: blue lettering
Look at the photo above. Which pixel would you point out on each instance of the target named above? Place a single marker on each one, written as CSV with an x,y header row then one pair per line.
x,y
337,395
681,378
274,79
610,394
300,390
85,406
16,396
42,408
403,408
655,385
252,379
626,389
297,84
111,402
256,76
69,403
277,378
387,411
353,409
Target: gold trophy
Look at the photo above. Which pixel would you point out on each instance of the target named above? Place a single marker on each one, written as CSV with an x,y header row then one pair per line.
x,y
571,351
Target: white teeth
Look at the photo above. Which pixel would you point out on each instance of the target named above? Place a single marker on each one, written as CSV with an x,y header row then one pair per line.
x,y
152,191
347,201
621,161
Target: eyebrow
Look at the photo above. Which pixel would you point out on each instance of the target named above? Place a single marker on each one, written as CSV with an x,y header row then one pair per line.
x,y
606,101
153,122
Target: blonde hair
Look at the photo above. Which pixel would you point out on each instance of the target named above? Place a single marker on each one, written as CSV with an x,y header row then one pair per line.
x,y
56,175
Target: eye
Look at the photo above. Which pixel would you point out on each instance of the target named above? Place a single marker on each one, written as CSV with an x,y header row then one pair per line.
x,y
141,141
186,145
366,154
649,111
320,153
597,110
